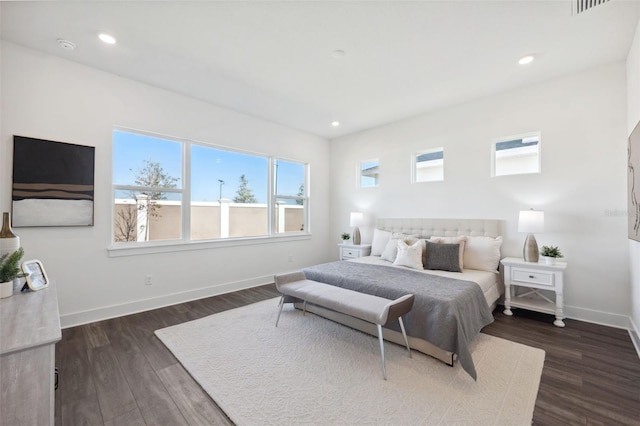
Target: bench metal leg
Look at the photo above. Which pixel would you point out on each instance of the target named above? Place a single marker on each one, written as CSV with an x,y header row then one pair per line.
x,y
384,370
304,307
280,310
404,334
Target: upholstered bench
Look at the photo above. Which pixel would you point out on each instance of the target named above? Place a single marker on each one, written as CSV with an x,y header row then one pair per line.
x,y
367,307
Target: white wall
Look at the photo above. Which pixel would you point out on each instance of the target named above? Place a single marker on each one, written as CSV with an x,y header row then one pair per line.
x,y
582,119
633,117
50,98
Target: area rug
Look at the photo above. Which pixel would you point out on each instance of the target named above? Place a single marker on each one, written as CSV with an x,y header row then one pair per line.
x,y
310,370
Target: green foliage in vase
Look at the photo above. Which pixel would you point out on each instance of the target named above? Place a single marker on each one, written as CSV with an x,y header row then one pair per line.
x,y
345,236
9,266
550,251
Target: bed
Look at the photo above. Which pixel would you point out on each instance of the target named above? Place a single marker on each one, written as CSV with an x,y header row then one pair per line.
x,y
479,289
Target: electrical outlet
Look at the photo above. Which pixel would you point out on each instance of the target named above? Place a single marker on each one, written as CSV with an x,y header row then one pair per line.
x,y
147,280
290,258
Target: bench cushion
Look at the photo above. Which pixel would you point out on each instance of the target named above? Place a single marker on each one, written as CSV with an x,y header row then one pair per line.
x,y
360,305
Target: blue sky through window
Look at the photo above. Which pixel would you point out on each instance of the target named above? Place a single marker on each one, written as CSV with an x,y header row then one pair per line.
x,y
208,166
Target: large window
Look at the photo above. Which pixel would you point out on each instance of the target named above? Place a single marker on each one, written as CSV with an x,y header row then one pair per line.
x,y
185,191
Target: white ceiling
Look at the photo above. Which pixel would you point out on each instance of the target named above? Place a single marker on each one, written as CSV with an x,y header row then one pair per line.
x,y
274,59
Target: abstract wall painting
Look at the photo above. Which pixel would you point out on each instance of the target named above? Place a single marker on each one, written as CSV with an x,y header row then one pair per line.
x,y
633,184
53,183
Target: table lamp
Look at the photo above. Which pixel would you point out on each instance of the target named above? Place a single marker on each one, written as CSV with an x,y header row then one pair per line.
x,y
355,221
530,221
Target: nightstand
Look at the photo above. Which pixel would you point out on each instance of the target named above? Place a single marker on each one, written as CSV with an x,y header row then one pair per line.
x,y
535,277
354,251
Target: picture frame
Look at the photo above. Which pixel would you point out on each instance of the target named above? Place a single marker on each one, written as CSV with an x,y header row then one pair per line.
x,y
53,183
633,184
35,274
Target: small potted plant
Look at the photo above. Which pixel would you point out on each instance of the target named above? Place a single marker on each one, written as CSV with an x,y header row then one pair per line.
x,y
345,237
9,271
550,254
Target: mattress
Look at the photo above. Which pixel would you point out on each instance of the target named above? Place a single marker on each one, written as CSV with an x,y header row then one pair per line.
x,y
489,282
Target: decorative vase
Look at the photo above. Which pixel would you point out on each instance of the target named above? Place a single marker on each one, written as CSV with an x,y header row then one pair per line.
x,y
6,289
549,260
9,242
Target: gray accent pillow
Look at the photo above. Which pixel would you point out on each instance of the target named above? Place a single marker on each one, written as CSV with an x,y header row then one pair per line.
x,y
442,256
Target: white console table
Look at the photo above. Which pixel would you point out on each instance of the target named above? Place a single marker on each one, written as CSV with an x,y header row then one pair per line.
x,y
29,330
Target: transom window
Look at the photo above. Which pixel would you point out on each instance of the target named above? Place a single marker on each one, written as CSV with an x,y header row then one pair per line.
x,y
516,155
429,165
368,173
175,190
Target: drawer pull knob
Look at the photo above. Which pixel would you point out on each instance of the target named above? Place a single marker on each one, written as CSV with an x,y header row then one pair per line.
x,y
531,276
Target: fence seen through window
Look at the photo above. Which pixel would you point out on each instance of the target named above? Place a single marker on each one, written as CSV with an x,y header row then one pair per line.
x,y
227,194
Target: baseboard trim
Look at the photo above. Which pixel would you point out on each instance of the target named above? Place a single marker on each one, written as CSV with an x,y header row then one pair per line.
x,y
597,317
635,336
99,314
84,317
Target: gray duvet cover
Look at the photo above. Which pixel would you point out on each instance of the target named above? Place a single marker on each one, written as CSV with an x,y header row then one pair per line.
x,y
447,312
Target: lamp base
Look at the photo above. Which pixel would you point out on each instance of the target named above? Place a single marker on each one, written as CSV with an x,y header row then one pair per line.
x,y
356,236
530,250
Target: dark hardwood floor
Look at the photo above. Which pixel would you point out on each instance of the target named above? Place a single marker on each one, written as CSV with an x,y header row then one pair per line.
x,y
116,372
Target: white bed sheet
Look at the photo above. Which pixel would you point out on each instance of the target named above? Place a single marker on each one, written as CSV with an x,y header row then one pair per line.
x,y
489,282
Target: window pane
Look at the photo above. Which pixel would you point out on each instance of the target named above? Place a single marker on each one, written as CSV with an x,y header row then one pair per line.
x,y
518,155
228,194
290,202
289,215
429,166
369,172
289,178
147,216
140,160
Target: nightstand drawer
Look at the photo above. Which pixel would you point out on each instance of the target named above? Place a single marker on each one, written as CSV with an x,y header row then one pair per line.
x,y
350,254
354,251
534,277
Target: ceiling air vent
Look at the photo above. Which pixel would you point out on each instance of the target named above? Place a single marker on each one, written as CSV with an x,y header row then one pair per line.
x,y
580,6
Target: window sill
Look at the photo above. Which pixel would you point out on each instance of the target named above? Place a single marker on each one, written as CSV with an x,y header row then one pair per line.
x,y
134,249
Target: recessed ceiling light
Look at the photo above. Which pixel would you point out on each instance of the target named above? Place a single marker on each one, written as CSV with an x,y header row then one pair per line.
x,y
66,44
338,53
107,38
526,60
335,123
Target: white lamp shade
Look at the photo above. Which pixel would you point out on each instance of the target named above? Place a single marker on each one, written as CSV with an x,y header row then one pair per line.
x,y
356,219
531,221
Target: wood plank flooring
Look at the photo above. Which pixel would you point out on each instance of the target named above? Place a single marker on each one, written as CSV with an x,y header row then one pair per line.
x,y
116,372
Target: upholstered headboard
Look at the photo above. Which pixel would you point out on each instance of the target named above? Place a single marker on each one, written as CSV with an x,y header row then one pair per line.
x,y
442,227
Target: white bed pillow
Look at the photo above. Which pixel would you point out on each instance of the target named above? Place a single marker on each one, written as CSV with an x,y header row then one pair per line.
x,y
391,250
379,242
409,255
482,253
453,240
